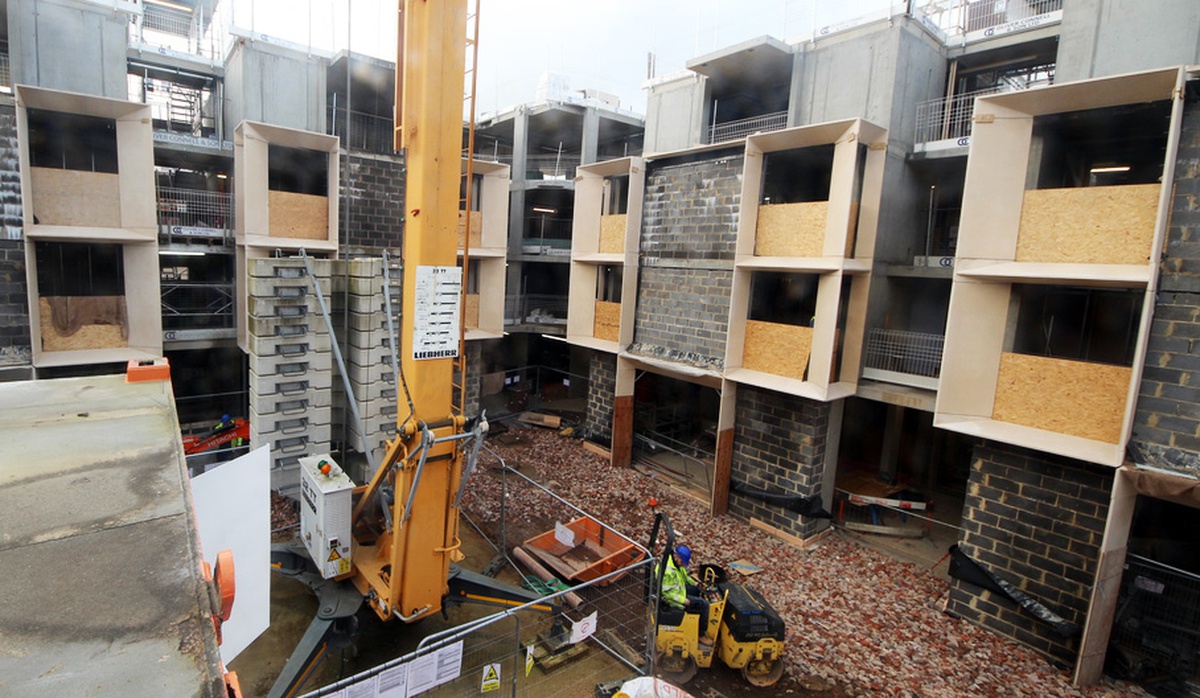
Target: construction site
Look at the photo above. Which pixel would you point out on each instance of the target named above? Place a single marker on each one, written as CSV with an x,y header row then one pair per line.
x,y
319,380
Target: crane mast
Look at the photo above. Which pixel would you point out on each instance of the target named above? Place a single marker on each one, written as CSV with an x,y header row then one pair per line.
x,y
406,521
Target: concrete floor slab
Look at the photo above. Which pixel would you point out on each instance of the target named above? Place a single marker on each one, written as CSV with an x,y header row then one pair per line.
x,y
101,593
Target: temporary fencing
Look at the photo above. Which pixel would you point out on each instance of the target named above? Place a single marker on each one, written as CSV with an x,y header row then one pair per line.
x,y
589,627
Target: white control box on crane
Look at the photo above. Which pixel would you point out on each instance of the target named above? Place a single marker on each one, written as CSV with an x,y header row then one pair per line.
x,y
325,508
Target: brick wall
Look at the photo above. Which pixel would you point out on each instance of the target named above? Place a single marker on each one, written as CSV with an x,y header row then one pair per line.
x,y
474,363
779,446
1036,521
15,348
11,210
689,229
1166,432
372,201
602,385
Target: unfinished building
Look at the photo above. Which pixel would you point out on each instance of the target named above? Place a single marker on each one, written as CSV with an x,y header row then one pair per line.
x,y
871,263
931,287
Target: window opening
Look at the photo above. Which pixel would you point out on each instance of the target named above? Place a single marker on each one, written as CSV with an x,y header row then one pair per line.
x,y
783,297
1117,145
72,141
297,170
796,176
1084,324
608,283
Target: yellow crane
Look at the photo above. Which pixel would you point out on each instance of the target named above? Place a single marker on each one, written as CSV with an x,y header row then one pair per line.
x,y
404,523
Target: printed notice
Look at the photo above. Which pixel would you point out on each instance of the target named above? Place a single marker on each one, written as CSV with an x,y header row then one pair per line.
x,y
435,668
393,683
437,302
564,535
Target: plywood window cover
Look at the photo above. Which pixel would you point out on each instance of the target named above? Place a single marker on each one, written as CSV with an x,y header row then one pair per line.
x,y
791,230
612,233
607,322
75,198
298,216
476,229
112,334
1075,398
1089,225
778,349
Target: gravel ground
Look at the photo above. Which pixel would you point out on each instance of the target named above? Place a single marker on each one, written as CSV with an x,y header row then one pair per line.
x,y
859,622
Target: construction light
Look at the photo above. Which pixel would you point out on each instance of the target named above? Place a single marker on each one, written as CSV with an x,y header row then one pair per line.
x,y
543,209
181,253
1109,169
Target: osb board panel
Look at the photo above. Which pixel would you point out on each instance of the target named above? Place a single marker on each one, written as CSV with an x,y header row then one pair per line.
x,y
778,349
607,323
476,228
612,233
472,311
74,197
301,216
1088,225
86,337
852,231
791,230
1063,396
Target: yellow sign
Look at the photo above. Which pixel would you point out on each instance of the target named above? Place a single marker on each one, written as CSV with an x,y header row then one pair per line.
x,y
333,555
528,659
491,678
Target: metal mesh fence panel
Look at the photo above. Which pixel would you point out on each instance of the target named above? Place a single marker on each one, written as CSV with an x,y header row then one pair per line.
x,y
590,625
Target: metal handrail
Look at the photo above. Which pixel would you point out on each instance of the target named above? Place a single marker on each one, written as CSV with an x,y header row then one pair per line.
x,y
901,351
956,18
738,128
195,208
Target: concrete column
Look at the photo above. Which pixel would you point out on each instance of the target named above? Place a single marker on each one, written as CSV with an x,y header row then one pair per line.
x,y
589,147
890,453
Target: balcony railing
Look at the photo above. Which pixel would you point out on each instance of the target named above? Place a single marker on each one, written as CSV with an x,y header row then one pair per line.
x,y
730,130
361,131
5,74
535,309
906,358
177,29
963,18
947,118
194,212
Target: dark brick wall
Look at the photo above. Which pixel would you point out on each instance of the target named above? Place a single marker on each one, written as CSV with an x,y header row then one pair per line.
x,y
474,364
1036,521
11,210
602,386
15,349
372,201
779,446
689,229
1166,432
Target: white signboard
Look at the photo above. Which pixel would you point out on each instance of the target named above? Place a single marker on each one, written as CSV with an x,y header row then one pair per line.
x,y
437,302
583,628
233,512
564,535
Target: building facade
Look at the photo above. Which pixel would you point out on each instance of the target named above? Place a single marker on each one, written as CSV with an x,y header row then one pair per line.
x,y
938,260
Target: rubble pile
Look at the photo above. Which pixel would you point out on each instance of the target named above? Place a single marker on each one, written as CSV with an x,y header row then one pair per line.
x,y
856,618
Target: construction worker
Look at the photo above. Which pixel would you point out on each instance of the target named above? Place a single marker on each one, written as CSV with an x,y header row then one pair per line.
x,y
678,588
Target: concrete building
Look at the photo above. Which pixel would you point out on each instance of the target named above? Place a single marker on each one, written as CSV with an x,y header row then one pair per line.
x,y
944,259
935,259
166,173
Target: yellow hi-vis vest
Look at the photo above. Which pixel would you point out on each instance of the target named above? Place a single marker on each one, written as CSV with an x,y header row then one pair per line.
x,y
674,584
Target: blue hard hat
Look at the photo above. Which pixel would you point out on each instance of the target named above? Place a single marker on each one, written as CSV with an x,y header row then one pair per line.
x,y
684,553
